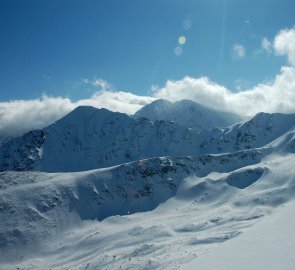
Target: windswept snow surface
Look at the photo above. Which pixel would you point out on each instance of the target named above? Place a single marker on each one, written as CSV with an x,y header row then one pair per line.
x,y
269,245
173,210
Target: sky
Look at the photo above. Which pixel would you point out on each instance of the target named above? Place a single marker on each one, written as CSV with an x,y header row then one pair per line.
x,y
232,55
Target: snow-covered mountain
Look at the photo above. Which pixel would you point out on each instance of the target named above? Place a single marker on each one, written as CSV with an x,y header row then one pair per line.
x,y
89,138
157,214
262,129
187,113
173,193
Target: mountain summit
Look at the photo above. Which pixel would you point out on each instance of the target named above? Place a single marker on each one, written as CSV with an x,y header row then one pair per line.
x,y
187,113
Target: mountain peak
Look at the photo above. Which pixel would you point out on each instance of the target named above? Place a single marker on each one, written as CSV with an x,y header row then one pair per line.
x,y
152,111
86,110
188,113
84,113
161,102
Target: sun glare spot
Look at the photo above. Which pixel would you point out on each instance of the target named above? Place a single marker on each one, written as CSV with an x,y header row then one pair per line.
x,y
181,40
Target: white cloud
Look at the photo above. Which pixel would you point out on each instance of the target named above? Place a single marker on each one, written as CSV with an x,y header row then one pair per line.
x,y
275,96
241,84
85,80
266,45
200,89
19,116
118,101
284,44
104,85
238,51
100,83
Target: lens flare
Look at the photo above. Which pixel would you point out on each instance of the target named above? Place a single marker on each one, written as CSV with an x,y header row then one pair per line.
x,y
187,24
178,51
181,40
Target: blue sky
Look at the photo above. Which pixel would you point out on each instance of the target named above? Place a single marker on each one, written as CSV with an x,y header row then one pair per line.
x,y
51,46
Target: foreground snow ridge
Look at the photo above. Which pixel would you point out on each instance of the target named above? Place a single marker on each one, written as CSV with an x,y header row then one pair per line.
x,y
150,210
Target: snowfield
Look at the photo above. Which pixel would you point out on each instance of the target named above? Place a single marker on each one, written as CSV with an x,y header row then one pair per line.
x,y
268,245
229,209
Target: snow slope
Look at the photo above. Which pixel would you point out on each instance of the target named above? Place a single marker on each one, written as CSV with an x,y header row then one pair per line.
x,y
269,245
172,210
90,138
41,203
187,113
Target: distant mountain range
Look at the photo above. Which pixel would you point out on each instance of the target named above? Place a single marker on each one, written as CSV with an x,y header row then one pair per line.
x,y
89,138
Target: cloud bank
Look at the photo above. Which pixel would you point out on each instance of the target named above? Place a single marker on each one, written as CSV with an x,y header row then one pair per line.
x,y
278,95
19,116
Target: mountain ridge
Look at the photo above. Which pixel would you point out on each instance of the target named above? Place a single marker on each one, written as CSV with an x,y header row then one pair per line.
x,y
90,138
